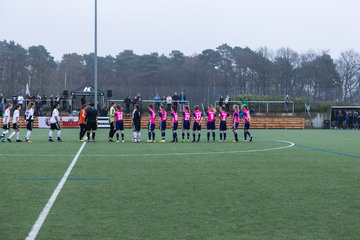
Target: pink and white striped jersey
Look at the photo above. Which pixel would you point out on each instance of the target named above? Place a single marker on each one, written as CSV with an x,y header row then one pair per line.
x,y
152,116
119,116
197,116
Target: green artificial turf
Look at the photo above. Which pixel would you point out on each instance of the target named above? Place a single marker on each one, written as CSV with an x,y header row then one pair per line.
x,y
185,190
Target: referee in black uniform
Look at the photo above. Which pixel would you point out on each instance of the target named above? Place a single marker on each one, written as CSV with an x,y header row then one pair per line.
x,y
91,121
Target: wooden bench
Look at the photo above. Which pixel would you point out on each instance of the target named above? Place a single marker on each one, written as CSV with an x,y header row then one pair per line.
x,y
22,122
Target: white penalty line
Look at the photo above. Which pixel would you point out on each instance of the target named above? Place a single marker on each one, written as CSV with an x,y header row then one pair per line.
x,y
40,221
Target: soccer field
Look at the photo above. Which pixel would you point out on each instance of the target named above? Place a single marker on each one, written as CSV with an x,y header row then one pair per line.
x,y
301,184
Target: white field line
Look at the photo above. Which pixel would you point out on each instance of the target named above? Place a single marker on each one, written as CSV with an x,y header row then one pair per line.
x,y
290,144
39,222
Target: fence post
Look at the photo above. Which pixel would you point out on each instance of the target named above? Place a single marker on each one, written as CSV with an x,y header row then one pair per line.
x,y
293,107
267,107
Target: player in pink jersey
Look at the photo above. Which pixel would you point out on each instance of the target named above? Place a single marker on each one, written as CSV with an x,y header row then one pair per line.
x,y
247,119
236,122
163,116
151,126
222,124
211,116
119,123
186,123
174,123
198,117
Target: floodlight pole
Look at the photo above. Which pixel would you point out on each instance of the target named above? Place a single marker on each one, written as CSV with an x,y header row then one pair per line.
x,y
95,61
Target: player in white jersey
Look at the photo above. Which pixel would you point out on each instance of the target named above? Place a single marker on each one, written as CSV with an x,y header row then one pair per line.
x,y
29,120
16,124
55,123
6,121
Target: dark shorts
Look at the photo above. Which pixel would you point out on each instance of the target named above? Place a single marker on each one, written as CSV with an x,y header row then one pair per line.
x,y
186,125
246,125
196,126
119,125
222,126
137,127
163,125
6,126
210,125
91,126
54,126
29,126
151,126
175,126
235,125
15,126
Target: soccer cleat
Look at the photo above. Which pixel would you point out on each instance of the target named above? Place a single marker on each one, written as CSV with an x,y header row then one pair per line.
x,y
183,140
193,140
245,140
162,141
220,141
173,141
250,139
124,141
176,140
134,141
28,141
60,140
149,141
50,140
154,141
110,140
2,139
18,140
235,141
198,140
188,140
9,140
117,141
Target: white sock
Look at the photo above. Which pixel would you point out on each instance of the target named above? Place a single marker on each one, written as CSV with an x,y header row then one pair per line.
x,y
28,135
134,135
11,135
5,132
50,133
17,135
59,133
139,135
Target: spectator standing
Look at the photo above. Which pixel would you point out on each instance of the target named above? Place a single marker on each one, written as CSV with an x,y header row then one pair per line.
x,y
14,100
138,96
63,100
169,101
2,101
287,103
20,100
134,101
221,101
140,104
163,101
127,102
182,99
355,120
57,99
175,99
43,102
51,102
157,100
227,103
340,120
38,105
350,121
83,100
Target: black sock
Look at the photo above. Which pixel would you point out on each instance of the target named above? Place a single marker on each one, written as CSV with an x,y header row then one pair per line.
x,y
224,136
248,133
199,136
88,135
183,135
220,136
208,136
188,135
149,135
117,136
122,136
153,135
236,136
213,135
163,135
174,136
245,135
194,136
93,135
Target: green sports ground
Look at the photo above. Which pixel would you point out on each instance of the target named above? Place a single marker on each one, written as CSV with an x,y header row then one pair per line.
x,y
286,184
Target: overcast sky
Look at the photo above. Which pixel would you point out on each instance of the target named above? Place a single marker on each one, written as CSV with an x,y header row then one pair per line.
x,y
145,26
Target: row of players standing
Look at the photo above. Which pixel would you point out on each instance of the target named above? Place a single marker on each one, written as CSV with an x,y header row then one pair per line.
x,y
117,125
54,122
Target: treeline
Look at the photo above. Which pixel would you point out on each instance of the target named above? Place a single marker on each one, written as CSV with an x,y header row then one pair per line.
x,y
263,72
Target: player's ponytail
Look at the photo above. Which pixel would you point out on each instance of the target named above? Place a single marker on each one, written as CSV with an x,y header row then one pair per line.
x,y
31,104
196,107
236,107
173,107
118,107
151,106
8,105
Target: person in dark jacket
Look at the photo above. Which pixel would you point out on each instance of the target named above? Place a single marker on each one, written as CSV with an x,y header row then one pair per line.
x,y
83,100
91,121
127,102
